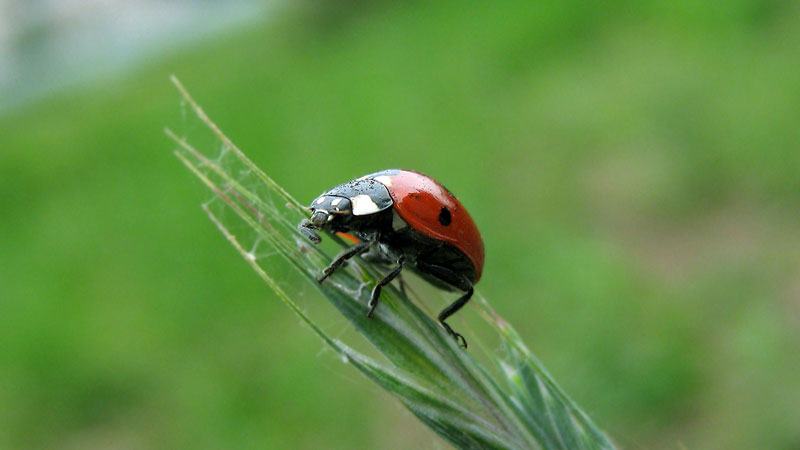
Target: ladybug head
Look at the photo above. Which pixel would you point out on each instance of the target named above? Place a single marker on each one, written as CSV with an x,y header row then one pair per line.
x,y
327,208
352,206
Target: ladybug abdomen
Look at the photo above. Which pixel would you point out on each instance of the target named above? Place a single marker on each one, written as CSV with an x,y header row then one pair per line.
x,y
430,209
419,247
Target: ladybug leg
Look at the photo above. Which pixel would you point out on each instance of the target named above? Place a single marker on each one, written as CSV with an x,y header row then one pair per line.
x,y
447,312
376,291
340,259
309,230
456,280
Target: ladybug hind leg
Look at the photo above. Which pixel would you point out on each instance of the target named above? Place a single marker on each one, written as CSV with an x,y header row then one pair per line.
x,y
456,280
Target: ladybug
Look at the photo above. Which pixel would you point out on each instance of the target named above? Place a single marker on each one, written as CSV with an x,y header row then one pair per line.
x,y
406,219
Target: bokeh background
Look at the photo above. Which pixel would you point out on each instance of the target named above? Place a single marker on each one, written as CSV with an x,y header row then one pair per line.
x,y
634,168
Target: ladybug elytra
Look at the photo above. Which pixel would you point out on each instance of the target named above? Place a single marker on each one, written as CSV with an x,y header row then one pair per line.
x,y
407,219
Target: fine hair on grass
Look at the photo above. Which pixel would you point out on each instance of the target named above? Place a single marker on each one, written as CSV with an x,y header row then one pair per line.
x,y
508,402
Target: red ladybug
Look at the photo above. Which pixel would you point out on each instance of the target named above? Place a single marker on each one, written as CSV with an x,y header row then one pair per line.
x,y
405,218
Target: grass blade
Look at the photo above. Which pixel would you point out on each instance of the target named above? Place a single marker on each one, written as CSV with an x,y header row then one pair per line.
x,y
443,385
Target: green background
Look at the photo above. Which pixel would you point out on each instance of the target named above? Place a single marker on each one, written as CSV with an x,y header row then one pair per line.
x,y
634,168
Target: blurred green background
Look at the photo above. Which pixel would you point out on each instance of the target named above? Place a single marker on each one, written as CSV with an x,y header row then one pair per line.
x,y
634,168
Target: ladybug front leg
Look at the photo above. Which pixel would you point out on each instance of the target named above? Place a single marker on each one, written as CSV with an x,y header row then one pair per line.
x,y
340,259
454,279
309,230
376,291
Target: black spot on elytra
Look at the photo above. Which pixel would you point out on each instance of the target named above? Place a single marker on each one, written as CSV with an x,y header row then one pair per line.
x,y
444,216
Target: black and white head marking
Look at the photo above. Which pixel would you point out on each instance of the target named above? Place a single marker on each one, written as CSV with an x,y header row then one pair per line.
x,y
364,196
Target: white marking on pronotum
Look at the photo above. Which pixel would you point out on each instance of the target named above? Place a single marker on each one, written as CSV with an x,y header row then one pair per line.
x,y
397,222
363,205
320,200
336,201
384,180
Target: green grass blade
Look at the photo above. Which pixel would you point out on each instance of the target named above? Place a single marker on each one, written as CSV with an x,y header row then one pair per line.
x,y
443,385
546,407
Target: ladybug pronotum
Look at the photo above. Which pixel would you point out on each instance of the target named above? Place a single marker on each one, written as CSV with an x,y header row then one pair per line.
x,y
407,219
